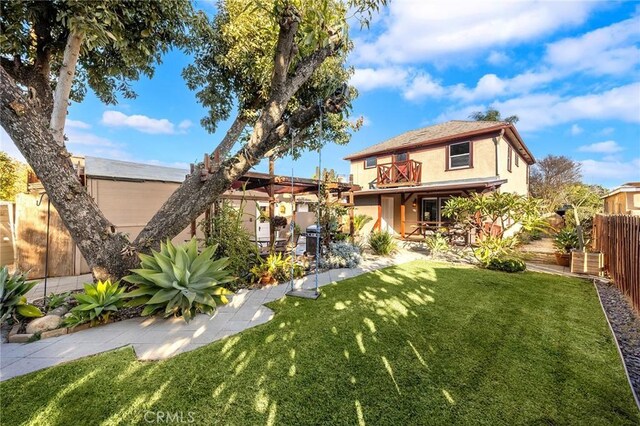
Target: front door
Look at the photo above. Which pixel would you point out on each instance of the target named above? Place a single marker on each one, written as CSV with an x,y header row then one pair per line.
x,y
386,221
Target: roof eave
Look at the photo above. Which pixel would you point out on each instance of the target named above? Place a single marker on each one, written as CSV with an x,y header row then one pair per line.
x,y
479,132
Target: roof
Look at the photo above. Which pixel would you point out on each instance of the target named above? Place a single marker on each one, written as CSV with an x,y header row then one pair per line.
x,y
442,133
283,185
626,187
450,185
125,170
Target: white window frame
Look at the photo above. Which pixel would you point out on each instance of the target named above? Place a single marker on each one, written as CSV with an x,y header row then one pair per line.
x,y
468,154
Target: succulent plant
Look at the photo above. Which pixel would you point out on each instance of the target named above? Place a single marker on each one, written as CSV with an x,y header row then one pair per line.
x,y
99,300
12,295
179,281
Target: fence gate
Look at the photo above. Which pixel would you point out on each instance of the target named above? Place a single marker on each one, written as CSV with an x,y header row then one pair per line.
x,y
31,233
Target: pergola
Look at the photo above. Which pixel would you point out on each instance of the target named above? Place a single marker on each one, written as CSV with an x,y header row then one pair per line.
x,y
272,185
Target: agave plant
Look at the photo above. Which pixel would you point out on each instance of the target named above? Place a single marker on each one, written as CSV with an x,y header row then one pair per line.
x,y
99,300
179,281
12,295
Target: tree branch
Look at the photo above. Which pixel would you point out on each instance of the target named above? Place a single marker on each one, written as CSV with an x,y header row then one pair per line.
x,y
63,86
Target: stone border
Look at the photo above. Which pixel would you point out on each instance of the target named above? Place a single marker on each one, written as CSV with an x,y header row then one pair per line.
x,y
15,337
618,313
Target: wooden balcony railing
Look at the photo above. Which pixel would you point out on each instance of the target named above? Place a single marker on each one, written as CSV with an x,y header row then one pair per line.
x,y
399,173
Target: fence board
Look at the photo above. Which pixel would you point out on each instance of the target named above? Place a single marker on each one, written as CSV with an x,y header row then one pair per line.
x,y
618,237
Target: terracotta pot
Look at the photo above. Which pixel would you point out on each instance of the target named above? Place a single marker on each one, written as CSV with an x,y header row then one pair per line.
x,y
563,259
266,279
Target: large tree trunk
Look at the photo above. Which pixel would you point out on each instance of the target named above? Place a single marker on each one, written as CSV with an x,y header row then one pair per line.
x,y
63,86
93,233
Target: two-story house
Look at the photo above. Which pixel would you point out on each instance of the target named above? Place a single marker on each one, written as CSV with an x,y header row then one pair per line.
x,y
407,179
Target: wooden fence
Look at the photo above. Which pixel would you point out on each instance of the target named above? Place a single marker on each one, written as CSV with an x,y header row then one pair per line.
x,y
618,237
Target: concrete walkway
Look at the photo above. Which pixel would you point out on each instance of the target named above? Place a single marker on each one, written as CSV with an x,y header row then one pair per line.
x,y
155,338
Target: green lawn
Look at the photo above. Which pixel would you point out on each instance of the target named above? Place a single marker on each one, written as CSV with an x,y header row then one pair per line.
x,y
422,343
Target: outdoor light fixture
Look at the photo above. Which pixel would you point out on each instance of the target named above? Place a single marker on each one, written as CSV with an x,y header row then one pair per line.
x,y
414,204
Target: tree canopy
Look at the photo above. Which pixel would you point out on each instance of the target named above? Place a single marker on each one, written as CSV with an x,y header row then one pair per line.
x,y
551,177
492,114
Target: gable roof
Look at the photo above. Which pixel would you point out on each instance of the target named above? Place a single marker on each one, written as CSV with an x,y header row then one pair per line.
x,y
442,133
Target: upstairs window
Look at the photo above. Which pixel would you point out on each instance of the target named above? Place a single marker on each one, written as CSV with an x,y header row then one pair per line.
x,y
509,158
517,160
459,155
400,158
370,162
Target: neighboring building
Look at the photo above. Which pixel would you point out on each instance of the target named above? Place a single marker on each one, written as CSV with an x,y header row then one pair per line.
x,y
408,178
623,200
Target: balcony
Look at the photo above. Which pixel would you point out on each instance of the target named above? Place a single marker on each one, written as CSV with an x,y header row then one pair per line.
x,y
399,173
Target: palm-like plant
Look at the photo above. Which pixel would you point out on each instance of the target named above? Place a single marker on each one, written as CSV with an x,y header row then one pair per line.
x,y
99,300
359,221
12,295
179,281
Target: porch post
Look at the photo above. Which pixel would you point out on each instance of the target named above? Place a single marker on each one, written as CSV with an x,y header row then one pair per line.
x,y
403,200
352,207
272,204
378,224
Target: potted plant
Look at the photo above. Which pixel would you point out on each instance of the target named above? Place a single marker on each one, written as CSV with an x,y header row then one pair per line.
x,y
565,241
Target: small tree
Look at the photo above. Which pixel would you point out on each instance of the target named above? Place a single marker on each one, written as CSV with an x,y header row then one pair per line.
x,y
492,216
13,177
551,179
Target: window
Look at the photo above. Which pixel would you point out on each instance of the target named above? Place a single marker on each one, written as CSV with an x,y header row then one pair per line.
x,y
459,155
399,158
509,158
370,162
517,160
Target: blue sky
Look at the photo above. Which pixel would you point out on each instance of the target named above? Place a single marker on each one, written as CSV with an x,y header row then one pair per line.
x,y
569,70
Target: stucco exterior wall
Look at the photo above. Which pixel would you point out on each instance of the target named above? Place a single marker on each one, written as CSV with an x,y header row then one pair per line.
x,y
367,205
517,177
434,165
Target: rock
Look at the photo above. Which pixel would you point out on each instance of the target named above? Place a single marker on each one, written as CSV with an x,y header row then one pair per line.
x,y
45,323
59,311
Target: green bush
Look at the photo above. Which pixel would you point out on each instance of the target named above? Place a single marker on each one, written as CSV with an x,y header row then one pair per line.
x,y
228,234
178,281
99,300
56,300
507,264
276,268
437,243
382,243
492,247
13,289
566,240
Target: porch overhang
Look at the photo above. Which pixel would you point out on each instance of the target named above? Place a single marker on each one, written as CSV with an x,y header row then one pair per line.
x,y
464,185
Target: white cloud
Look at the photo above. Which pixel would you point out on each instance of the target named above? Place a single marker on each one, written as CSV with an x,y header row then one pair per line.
x,y
418,31
491,86
76,124
373,78
141,123
423,85
607,131
497,58
606,147
595,171
185,124
606,50
576,130
542,110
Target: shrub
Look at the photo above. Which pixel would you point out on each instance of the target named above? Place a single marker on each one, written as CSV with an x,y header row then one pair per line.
x,y
276,268
341,255
179,281
507,264
359,221
99,300
437,243
382,243
566,240
12,295
232,240
279,221
74,319
494,247
56,300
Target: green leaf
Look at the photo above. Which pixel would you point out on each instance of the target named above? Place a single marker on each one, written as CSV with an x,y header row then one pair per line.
x,y
163,296
29,311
